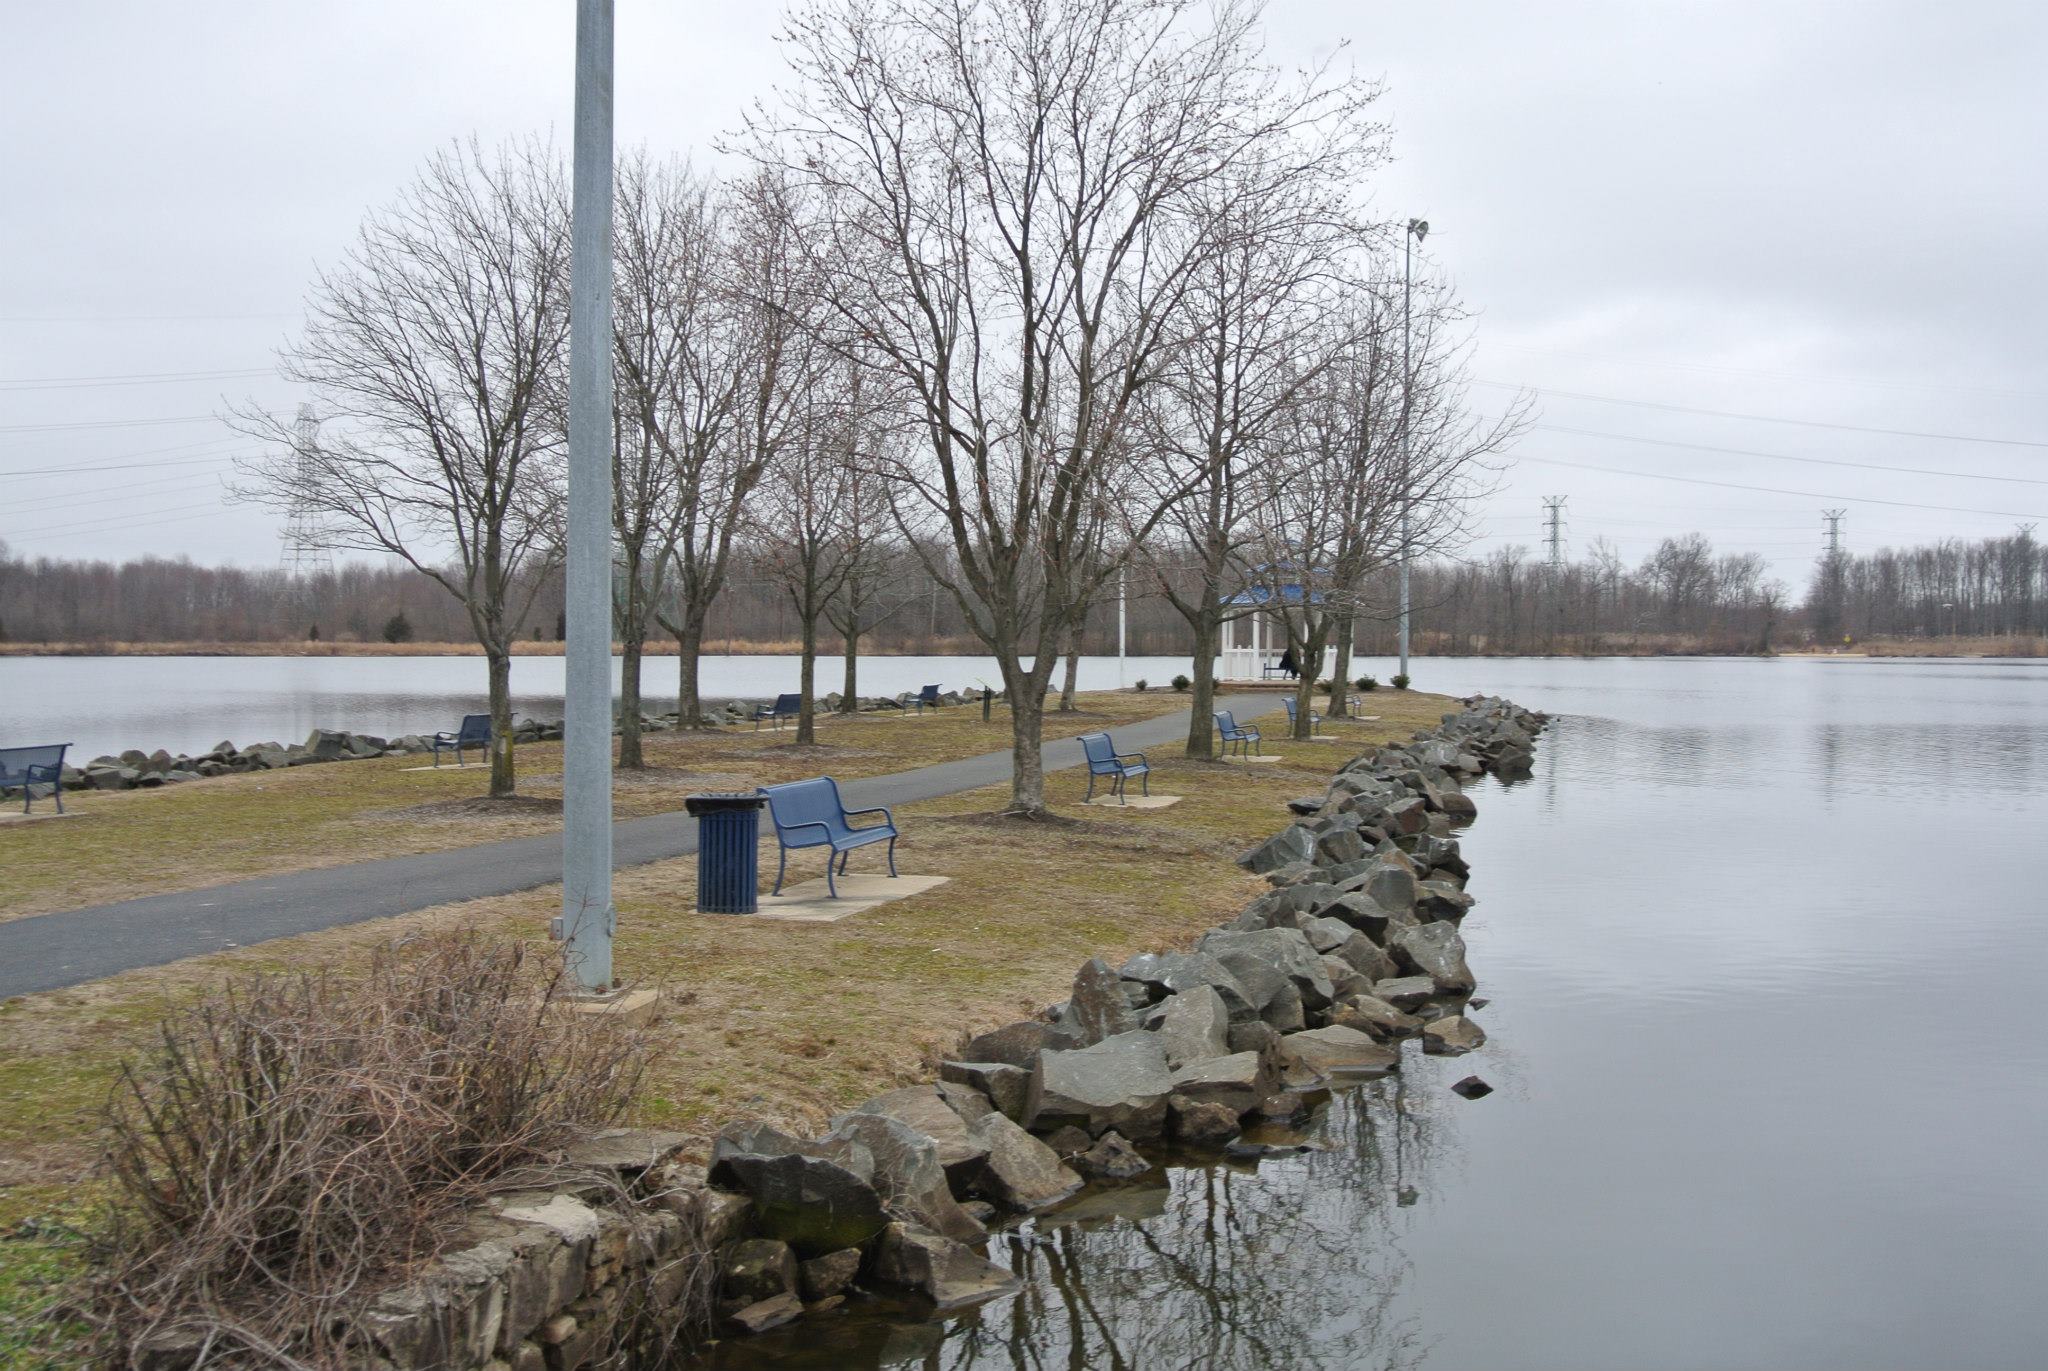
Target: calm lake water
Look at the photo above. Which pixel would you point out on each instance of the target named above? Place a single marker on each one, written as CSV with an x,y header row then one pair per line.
x,y
187,704
1765,943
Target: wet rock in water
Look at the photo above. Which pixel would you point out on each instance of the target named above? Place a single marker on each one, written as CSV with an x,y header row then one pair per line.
x,y
1341,1051
1452,1036
1369,1014
907,1174
1284,1106
1112,1158
1435,950
1005,1086
1022,1173
1017,1044
767,1314
1120,1083
1472,1088
1097,1009
757,1269
1290,845
821,1278
1477,1002
1069,1141
1244,1150
1441,900
923,1110
1459,806
945,1272
1405,992
817,1197
1238,1081
1193,1025
1200,1123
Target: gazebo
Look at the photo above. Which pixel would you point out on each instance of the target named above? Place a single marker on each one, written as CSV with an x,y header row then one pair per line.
x,y
1250,615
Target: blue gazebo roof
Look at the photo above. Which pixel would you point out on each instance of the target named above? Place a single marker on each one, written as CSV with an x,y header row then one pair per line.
x,y
1288,593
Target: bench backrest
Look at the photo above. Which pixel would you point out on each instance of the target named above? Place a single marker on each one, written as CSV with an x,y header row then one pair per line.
x,y
476,728
1100,752
815,801
788,704
1288,700
930,695
45,759
1227,721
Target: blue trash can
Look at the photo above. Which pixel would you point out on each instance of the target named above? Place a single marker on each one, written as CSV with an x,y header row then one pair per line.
x,y
728,831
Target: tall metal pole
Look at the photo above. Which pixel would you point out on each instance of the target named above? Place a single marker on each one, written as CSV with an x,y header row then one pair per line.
x,y
587,913
1123,597
1407,385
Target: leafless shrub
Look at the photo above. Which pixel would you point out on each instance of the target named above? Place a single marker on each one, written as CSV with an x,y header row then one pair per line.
x,y
288,1142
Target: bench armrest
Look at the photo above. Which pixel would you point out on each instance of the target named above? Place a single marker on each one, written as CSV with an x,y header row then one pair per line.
x,y
1132,756
782,828
882,810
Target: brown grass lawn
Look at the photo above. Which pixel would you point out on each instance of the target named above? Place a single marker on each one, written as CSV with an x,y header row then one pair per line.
x,y
201,833
779,1021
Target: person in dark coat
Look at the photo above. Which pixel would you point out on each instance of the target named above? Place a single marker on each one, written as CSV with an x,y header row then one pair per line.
x,y
1289,665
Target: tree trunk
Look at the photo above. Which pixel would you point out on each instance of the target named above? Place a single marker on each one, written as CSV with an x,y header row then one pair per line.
x,y
1340,668
502,778
630,757
806,680
1073,671
849,700
1027,733
689,644
1208,628
1310,655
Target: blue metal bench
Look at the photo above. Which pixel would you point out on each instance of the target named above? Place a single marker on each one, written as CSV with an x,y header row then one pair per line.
x,y
928,696
1315,720
785,707
475,732
1231,731
1105,760
811,814
29,767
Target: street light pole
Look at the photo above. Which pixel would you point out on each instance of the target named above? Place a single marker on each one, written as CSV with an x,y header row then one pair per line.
x,y
1417,230
587,913
1123,599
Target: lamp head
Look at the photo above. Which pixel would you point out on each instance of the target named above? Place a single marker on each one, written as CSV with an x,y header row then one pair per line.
x,y
1420,228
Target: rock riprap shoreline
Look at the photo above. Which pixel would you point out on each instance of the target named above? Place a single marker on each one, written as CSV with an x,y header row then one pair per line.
x,y
135,769
1315,985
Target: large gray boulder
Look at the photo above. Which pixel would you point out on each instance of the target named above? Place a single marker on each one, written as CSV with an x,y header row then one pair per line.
x,y
1022,1173
1097,1009
1192,1025
1370,1014
816,1196
1434,950
950,1275
1176,973
1239,1081
1287,950
1340,1051
907,1174
1017,1044
924,1110
1005,1086
1452,1036
1120,1083
1291,844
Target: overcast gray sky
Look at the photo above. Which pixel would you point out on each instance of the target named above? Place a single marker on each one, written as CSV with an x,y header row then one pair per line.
x,y
1824,212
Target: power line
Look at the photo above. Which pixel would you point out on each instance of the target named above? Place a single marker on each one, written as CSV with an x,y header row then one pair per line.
x,y
1776,490
111,423
1790,457
71,499
1764,374
140,378
1763,418
119,461
82,524
122,528
129,318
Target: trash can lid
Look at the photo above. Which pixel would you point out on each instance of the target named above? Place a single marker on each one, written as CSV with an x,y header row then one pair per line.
x,y
719,800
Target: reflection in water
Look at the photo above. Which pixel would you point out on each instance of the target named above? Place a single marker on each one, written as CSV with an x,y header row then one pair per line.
x,y
1764,944
1295,1265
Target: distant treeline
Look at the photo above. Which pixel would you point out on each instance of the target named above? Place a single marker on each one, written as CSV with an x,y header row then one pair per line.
x,y
1683,597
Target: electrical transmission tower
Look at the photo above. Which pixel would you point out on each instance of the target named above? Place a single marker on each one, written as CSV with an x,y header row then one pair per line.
x,y
305,545
1553,531
1834,534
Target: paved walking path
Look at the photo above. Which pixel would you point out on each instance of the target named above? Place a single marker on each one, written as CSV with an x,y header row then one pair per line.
x,y
51,951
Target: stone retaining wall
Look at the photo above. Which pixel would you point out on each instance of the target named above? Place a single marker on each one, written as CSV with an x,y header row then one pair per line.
x,y
1316,984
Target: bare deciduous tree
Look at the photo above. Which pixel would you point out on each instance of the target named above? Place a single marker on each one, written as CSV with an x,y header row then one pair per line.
x,y
428,352
1014,222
